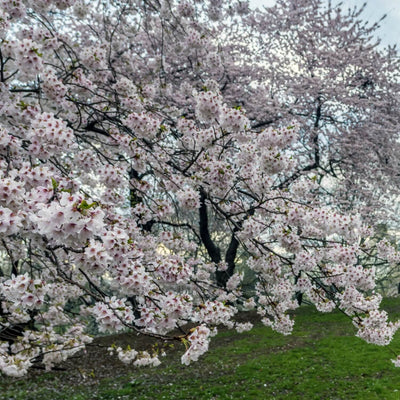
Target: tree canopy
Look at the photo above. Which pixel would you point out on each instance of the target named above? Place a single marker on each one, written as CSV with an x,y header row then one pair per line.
x,y
149,147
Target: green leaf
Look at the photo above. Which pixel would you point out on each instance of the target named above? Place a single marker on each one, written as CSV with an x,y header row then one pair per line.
x,y
85,205
36,51
22,105
54,184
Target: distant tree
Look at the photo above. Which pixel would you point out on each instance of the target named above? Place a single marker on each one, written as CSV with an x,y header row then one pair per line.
x,y
131,177
323,65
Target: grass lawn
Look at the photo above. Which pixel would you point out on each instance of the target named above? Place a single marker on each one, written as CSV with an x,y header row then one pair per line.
x,y
321,360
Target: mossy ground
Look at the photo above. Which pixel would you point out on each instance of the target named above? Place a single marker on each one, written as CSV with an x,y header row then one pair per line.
x,y
321,360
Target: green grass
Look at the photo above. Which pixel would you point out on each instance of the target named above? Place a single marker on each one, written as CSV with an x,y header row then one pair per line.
x,y
321,360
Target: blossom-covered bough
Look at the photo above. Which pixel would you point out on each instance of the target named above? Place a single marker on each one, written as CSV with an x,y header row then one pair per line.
x,y
132,181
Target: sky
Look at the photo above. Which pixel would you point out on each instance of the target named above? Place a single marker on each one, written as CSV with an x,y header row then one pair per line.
x,y
390,26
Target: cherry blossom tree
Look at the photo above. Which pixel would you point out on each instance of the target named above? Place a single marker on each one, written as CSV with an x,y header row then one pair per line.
x,y
131,176
323,65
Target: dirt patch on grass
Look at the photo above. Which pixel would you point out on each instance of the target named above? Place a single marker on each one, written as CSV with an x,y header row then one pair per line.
x,y
96,363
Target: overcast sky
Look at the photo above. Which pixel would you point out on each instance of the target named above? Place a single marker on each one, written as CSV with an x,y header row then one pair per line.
x,y
390,26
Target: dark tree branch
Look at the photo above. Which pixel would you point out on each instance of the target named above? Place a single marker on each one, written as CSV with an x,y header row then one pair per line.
x,y
213,251
230,256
